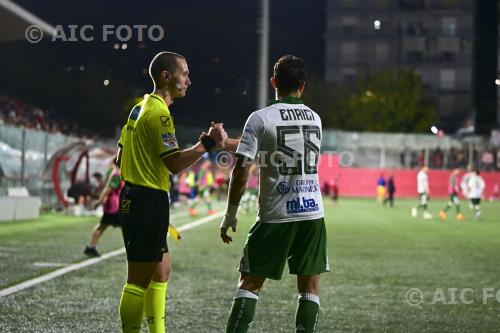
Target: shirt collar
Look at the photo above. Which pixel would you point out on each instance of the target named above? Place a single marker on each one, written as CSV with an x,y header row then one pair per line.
x,y
287,100
155,96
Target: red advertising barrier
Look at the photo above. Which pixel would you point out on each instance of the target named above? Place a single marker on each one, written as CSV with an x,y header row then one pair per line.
x,y
362,182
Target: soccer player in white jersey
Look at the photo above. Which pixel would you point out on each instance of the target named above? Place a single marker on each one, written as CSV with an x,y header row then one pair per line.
x,y
284,138
465,181
475,188
423,192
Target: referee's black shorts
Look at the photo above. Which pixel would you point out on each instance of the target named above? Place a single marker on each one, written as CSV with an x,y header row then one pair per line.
x,y
144,216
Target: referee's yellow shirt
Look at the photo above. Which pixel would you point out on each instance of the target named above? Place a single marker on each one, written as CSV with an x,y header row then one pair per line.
x,y
148,136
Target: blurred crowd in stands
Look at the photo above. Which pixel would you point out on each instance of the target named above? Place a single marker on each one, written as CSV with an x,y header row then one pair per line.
x,y
17,113
487,159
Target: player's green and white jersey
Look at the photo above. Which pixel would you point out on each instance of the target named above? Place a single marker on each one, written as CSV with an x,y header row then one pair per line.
x,y
476,186
285,137
422,182
464,183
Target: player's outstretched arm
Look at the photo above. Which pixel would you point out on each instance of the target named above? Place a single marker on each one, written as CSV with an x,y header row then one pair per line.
x,y
231,144
179,161
237,185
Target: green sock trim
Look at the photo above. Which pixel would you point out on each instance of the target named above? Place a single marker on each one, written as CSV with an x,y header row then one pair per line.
x,y
241,315
306,316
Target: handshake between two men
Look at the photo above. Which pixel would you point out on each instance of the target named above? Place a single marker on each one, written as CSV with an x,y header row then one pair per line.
x,y
217,138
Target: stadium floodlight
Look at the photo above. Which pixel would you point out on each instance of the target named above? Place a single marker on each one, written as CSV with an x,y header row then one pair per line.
x,y
106,82
377,24
263,58
497,82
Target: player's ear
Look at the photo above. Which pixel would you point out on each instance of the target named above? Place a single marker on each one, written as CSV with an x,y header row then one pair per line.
x,y
165,75
302,86
273,82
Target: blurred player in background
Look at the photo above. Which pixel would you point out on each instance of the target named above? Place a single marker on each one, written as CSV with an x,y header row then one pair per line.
x,y
464,183
109,198
391,189
249,199
453,191
290,224
174,191
97,185
381,188
80,192
475,186
184,189
205,184
423,192
191,183
148,152
496,192
221,184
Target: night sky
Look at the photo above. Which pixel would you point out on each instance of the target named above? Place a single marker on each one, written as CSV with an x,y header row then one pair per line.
x,y
219,39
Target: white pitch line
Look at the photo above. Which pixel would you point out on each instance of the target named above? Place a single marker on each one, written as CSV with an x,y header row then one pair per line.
x,y
59,272
179,214
49,264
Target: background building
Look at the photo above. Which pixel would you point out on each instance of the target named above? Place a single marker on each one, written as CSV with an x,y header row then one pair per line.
x,y
432,37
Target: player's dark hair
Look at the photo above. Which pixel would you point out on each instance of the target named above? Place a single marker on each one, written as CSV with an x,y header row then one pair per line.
x,y
289,73
163,61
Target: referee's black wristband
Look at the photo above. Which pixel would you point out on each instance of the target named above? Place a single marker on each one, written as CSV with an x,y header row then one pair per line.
x,y
207,142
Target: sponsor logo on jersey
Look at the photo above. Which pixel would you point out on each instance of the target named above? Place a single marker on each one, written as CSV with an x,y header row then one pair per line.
x,y
300,186
245,140
165,121
283,188
169,140
301,205
249,130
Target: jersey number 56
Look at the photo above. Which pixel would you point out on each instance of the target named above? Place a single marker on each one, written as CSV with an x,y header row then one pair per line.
x,y
308,163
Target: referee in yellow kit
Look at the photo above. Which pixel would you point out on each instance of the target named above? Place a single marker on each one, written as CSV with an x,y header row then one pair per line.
x,y
148,152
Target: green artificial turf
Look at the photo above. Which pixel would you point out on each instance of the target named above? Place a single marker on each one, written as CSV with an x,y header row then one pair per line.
x,y
376,254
